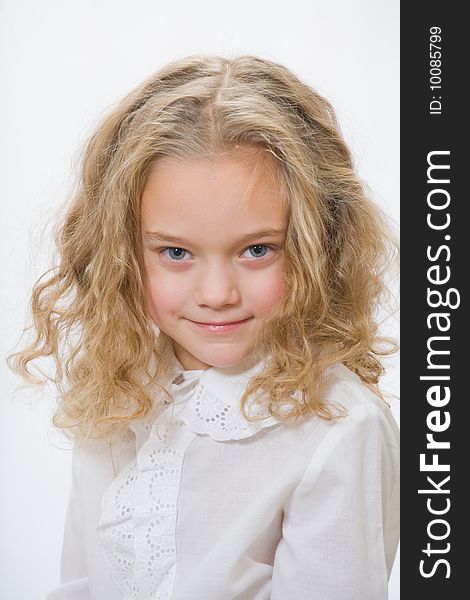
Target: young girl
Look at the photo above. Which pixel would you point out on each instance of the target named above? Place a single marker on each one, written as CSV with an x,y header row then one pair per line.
x,y
212,323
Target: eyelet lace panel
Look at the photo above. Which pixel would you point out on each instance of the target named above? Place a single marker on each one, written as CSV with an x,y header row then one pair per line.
x,y
139,509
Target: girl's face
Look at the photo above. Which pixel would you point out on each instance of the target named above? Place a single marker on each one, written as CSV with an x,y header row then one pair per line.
x,y
213,237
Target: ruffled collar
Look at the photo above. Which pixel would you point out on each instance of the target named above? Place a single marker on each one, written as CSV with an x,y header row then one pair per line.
x,y
208,402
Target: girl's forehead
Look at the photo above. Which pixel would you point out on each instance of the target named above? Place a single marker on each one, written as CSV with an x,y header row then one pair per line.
x,y
247,165
234,190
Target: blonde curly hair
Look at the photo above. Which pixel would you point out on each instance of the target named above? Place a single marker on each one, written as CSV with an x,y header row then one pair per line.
x,y
90,312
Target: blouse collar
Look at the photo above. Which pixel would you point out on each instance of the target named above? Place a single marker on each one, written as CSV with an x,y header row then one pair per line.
x,y
208,401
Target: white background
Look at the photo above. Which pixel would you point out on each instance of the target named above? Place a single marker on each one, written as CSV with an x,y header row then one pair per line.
x,y
62,64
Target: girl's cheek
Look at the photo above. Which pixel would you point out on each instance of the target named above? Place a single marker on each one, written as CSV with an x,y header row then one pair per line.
x,y
154,292
270,292
164,296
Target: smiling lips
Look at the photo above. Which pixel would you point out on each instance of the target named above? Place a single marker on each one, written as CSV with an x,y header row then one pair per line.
x,y
222,327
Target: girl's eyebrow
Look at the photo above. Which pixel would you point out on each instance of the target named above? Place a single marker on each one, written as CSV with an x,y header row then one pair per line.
x,y
255,236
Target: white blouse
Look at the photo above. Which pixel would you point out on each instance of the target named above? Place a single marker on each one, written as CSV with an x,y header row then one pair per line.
x,y
200,504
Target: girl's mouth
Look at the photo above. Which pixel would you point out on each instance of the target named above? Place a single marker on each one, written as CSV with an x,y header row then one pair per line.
x,y
222,327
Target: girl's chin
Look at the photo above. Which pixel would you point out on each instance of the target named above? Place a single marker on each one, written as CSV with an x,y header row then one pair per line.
x,y
206,360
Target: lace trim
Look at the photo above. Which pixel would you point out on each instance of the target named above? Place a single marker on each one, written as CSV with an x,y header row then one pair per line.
x,y
209,403
208,414
139,509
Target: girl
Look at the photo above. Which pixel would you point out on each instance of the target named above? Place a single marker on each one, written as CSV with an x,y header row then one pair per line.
x,y
212,323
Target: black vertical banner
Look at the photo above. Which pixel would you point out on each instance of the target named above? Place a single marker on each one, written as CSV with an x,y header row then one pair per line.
x,y
435,246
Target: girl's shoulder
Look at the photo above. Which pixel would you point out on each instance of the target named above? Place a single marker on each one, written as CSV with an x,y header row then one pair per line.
x,y
360,418
342,384
357,403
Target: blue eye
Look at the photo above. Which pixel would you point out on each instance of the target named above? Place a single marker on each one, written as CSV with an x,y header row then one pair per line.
x,y
258,250
176,253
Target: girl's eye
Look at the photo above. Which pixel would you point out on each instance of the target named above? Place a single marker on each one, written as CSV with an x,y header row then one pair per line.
x,y
257,251
176,254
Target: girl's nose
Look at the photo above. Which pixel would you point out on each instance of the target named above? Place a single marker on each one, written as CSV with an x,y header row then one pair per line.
x,y
216,287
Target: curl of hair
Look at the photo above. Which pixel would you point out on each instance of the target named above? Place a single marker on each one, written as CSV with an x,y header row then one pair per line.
x,y
90,313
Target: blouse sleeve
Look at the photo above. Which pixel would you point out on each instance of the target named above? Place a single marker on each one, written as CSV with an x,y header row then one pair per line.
x,y
73,572
340,527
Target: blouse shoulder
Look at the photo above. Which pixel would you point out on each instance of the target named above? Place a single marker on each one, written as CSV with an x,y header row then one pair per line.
x,y
345,390
346,501
97,460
